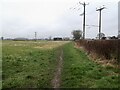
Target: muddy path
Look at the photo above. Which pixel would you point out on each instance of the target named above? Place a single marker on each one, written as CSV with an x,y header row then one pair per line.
x,y
57,75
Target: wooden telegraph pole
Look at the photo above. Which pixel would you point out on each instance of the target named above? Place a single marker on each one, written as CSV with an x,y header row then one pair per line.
x,y
84,5
100,9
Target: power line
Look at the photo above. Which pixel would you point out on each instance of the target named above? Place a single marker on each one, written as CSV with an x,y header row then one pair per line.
x,y
100,9
75,7
92,25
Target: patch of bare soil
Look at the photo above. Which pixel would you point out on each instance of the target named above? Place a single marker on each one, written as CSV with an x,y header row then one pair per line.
x,y
57,75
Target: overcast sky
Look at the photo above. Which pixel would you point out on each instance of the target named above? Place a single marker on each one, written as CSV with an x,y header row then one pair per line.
x,y
21,18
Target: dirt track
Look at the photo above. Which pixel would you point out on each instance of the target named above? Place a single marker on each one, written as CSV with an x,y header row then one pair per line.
x,y
57,75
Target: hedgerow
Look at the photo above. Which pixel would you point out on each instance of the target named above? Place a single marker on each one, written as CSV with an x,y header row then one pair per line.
x,y
109,49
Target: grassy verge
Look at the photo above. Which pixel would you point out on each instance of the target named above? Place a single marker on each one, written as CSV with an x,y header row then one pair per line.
x,y
80,72
27,67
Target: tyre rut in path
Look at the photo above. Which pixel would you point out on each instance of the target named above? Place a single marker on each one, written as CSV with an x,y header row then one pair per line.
x,y
57,75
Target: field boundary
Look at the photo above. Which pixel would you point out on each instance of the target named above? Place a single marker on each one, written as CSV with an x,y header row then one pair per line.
x,y
100,60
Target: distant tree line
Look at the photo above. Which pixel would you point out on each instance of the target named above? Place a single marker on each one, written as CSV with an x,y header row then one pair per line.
x,y
26,39
77,34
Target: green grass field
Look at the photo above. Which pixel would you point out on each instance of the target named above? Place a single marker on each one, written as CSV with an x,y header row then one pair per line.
x,y
80,72
30,64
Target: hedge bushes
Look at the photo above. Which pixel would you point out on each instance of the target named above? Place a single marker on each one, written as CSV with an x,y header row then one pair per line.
x,y
110,49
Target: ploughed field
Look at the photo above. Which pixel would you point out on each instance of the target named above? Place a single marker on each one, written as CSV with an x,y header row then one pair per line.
x,y
49,64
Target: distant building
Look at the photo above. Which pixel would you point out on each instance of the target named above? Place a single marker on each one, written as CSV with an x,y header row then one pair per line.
x,y
57,39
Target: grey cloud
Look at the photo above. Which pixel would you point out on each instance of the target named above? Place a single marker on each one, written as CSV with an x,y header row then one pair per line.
x,y
18,26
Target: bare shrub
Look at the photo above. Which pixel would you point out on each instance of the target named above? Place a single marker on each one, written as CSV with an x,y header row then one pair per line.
x,y
109,49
